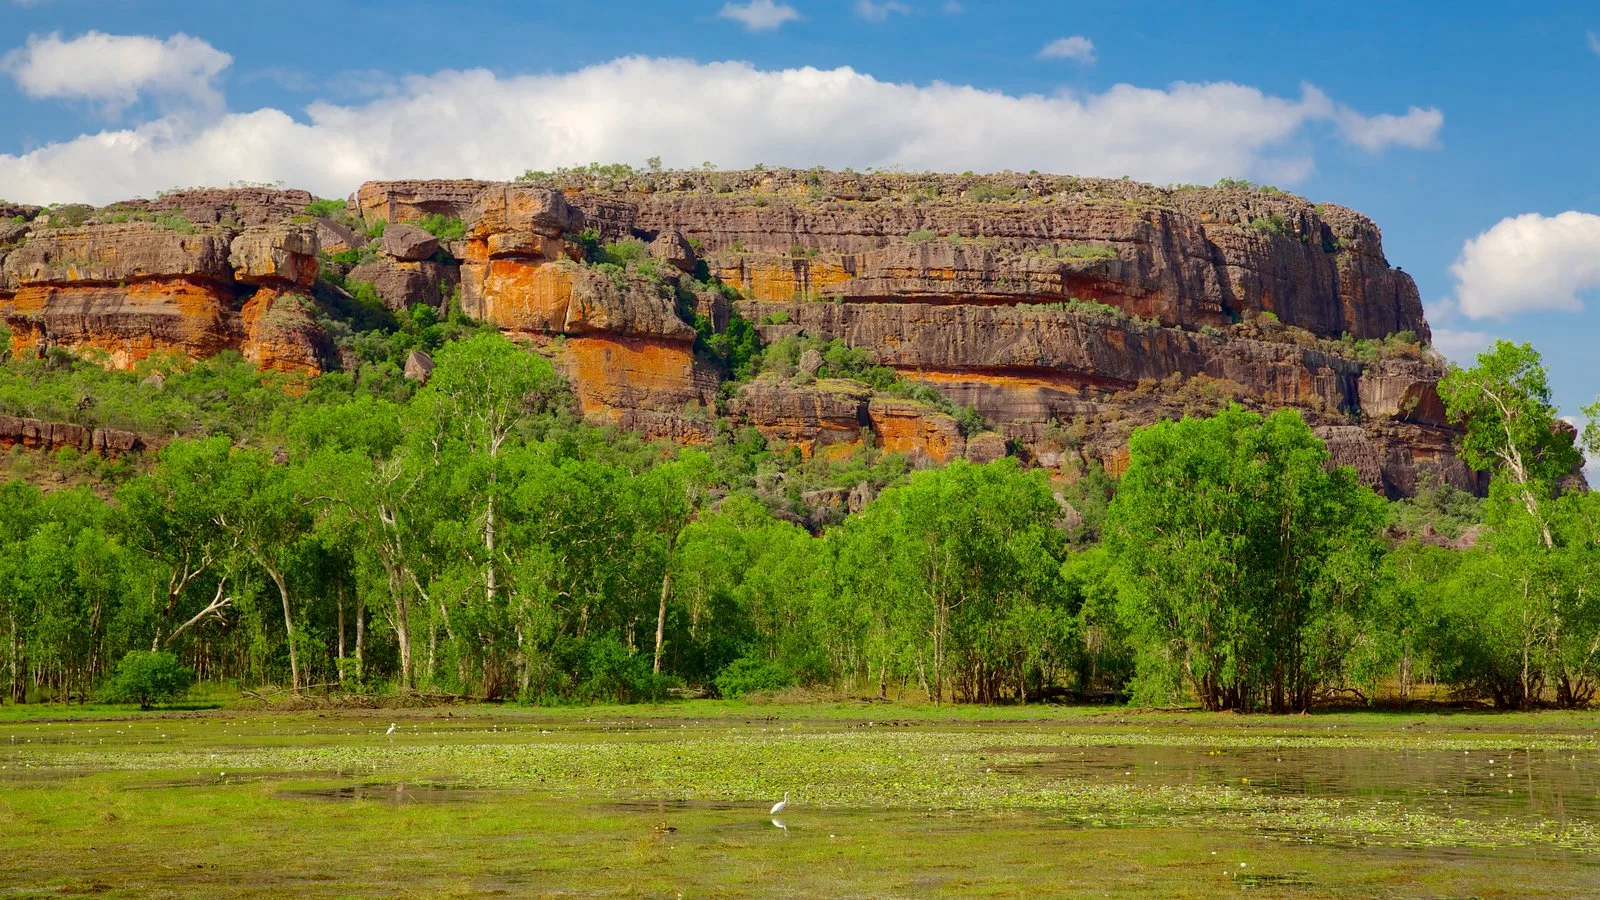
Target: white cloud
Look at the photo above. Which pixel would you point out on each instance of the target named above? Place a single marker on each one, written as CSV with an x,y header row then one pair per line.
x,y
1076,47
477,124
760,15
1594,42
954,8
1418,128
879,12
1529,263
1462,347
114,71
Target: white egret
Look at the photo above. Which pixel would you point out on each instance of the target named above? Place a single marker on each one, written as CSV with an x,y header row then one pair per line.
x,y
391,729
779,806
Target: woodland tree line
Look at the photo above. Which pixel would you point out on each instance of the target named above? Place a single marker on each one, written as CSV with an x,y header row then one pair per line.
x,y
469,537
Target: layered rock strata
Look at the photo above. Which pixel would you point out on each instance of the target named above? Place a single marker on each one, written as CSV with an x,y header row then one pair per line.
x,y
1065,311
131,289
36,434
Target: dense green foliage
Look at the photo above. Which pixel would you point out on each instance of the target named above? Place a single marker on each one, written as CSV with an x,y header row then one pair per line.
x,y
147,678
1246,564
472,536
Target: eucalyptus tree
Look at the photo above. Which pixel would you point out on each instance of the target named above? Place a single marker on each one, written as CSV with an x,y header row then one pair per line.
x,y
478,393
1530,611
261,505
670,497
373,486
1239,551
958,571
1504,405
169,516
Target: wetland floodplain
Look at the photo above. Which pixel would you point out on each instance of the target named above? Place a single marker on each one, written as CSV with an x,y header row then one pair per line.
x,y
885,800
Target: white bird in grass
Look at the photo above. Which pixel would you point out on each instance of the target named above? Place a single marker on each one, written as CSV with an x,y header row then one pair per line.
x,y
391,729
779,806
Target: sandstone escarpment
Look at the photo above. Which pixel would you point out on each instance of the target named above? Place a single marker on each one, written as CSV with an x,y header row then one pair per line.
x,y
1066,312
1188,256
125,291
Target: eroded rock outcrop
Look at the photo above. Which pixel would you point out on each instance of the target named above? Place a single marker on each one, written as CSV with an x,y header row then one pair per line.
x,y
1066,312
128,290
36,434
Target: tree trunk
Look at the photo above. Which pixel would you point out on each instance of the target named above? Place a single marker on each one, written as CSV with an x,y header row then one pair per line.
x,y
339,665
361,638
661,614
288,622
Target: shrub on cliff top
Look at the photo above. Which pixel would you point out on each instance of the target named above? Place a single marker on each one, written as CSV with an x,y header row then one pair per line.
x,y
443,227
326,209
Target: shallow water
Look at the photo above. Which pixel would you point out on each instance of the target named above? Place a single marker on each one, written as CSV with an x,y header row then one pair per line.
x,y
884,804
1556,785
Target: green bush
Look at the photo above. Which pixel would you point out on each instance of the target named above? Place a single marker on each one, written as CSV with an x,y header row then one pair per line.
x,y
611,673
147,677
921,236
1074,251
750,675
443,227
325,209
984,192
1274,225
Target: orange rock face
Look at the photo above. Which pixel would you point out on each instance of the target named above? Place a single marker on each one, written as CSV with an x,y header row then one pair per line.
x,y
529,296
127,324
127,291
782,278
645,384
910,428
280,334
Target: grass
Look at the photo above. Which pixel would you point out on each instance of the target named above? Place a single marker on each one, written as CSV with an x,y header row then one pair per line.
x,y
886,799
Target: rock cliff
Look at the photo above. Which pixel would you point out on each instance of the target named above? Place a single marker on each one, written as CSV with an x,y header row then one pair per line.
x,y
1064,311
193,273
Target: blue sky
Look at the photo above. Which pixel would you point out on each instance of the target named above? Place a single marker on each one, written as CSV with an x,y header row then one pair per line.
x,y
1442,128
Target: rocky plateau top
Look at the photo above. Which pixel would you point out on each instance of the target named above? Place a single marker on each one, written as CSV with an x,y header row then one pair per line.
x,y
1065,311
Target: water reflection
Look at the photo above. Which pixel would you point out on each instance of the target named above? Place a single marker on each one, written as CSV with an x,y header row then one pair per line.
x,y
1558,785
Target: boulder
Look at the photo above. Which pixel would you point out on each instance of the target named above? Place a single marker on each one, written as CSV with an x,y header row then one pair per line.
x,y
267,254
408,243
409,201
810,362
419,366
860,496
113,254
672,248
403,285
13,232
334,237
986,448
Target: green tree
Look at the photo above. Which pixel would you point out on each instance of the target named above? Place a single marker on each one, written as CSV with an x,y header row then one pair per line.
x,y
1504,404
260,506
147,678
169,516
1240,553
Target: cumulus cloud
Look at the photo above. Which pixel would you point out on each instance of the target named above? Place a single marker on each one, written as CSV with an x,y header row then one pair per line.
x,y
1076,47
879,12
760,15
1418,128
477,124
1529,263
1594,42
114,71
1461,346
